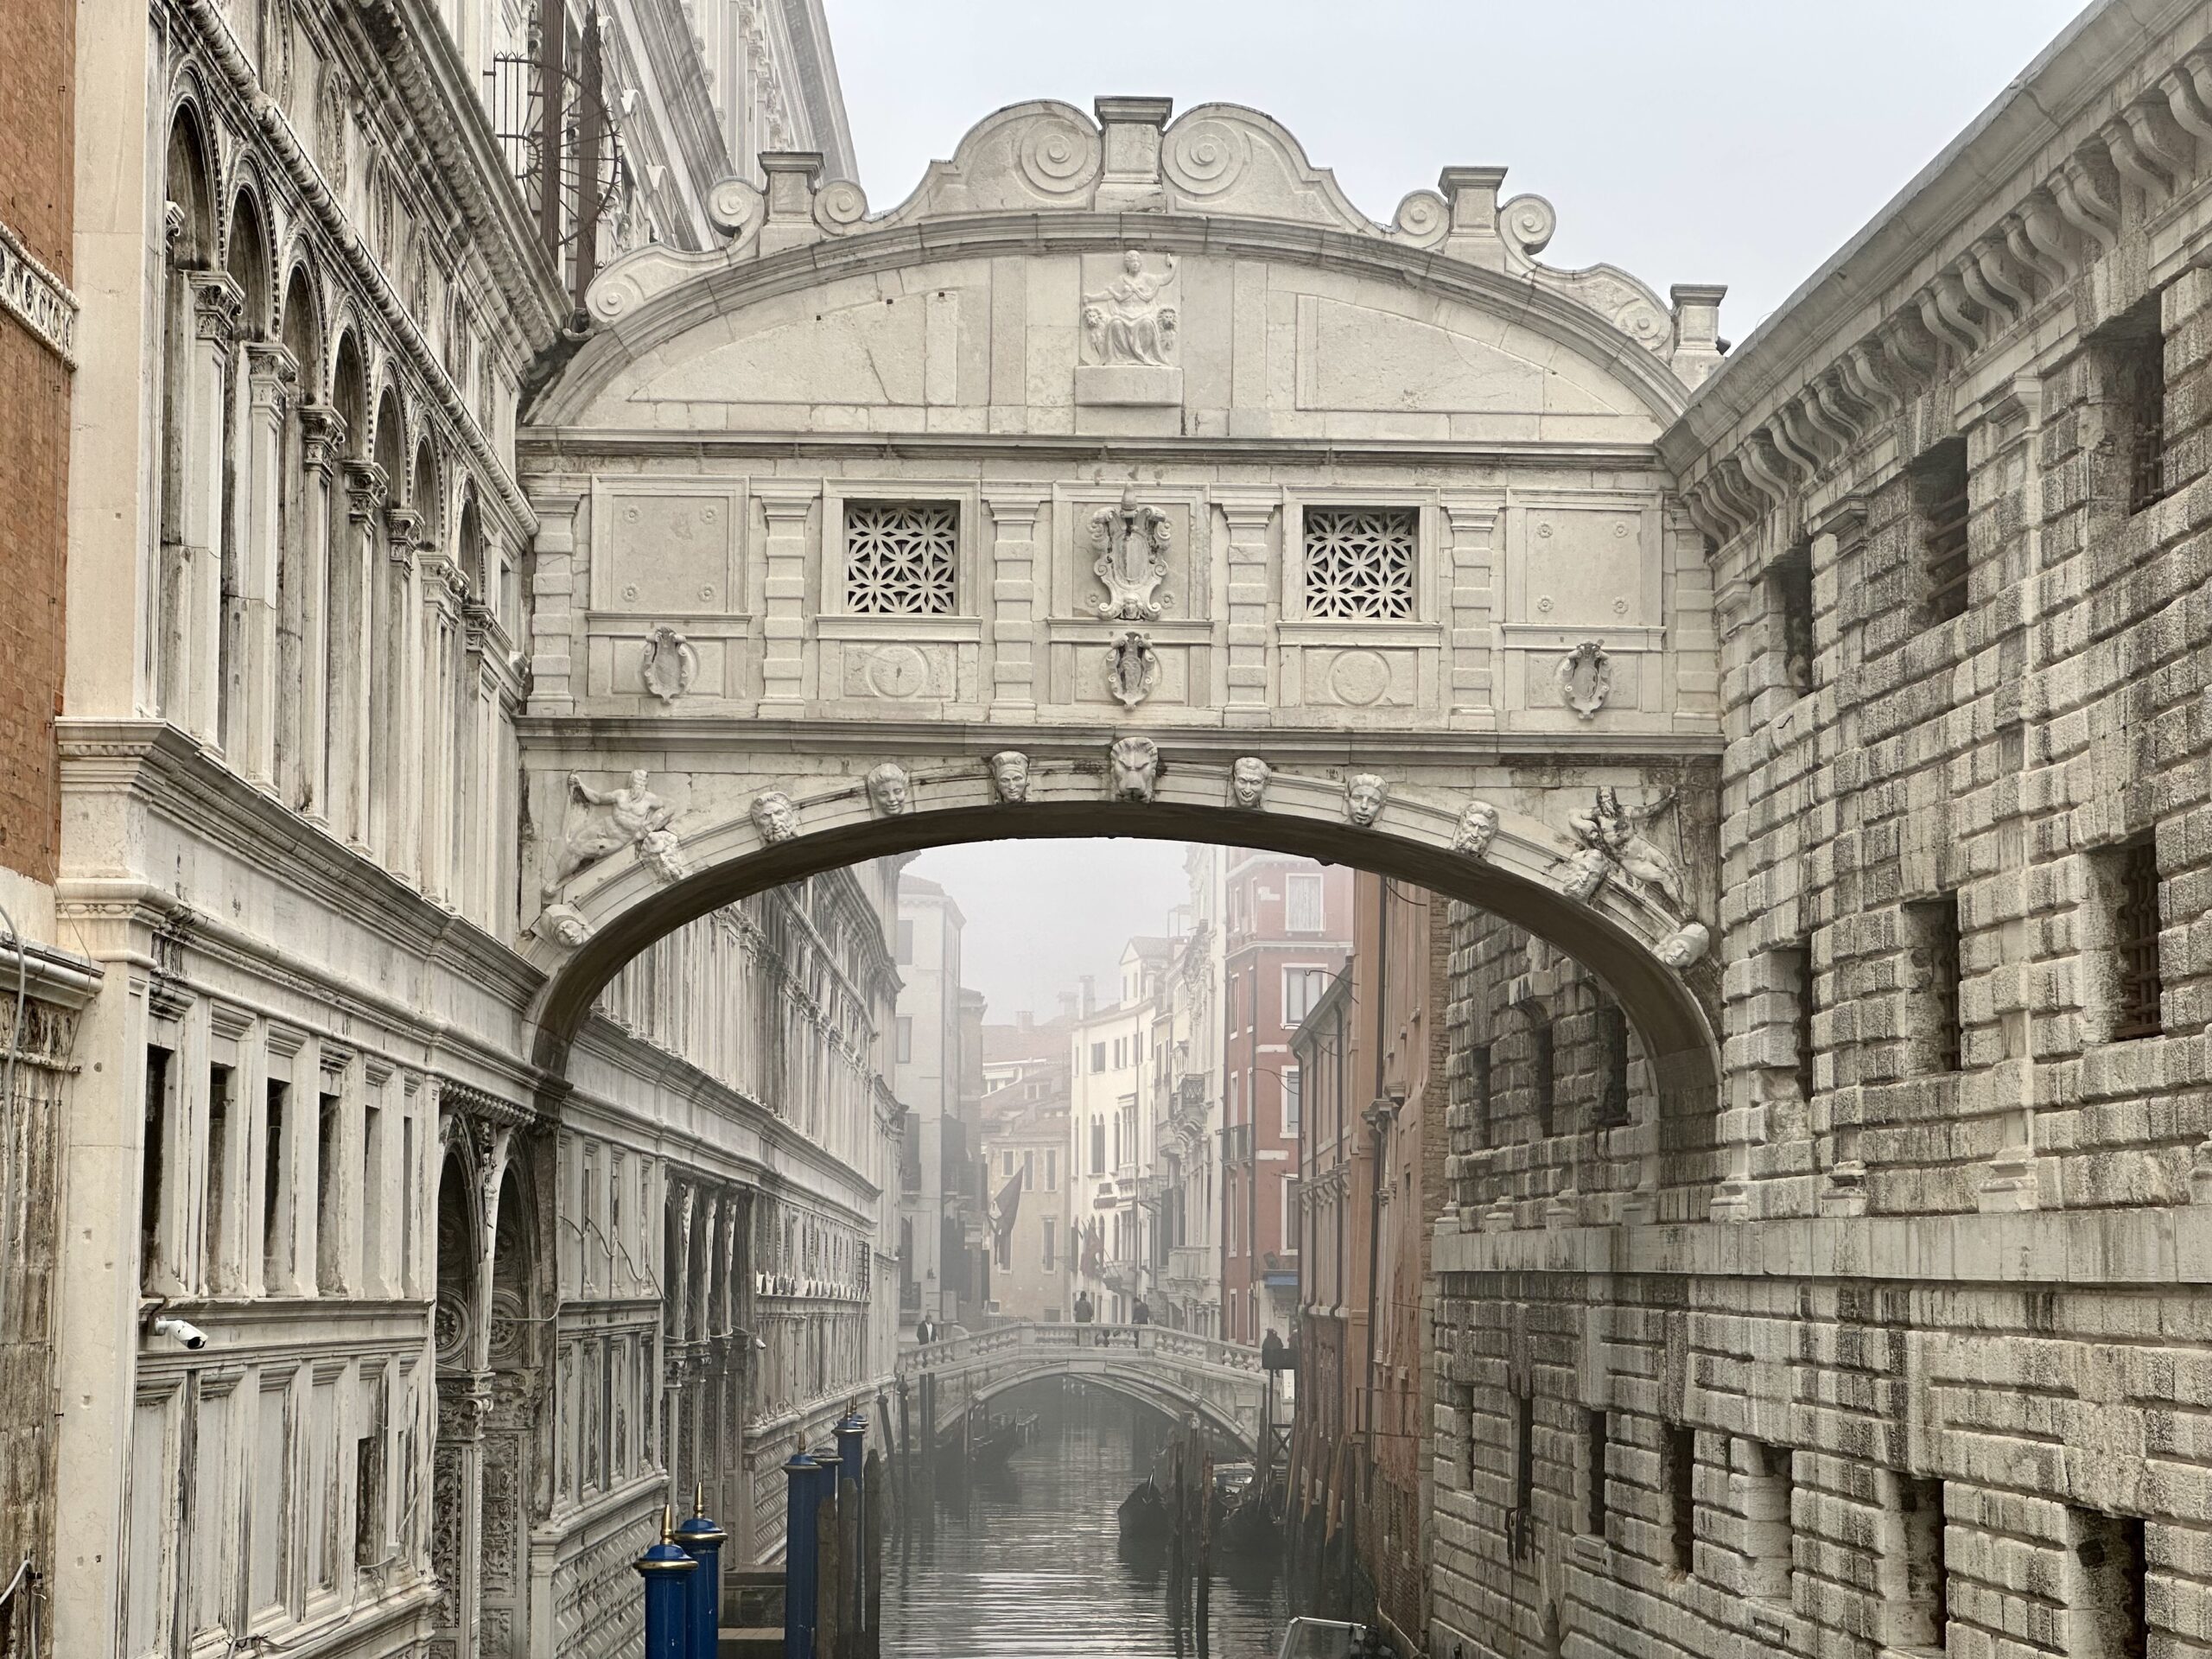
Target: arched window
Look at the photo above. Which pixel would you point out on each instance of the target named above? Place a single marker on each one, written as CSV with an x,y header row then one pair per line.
x,y
299,601
346,576
190,232
247,265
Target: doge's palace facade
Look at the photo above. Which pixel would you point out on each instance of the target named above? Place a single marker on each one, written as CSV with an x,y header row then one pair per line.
x,y
452,1328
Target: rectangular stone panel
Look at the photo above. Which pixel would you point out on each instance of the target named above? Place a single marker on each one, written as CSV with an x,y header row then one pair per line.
x,y
666,548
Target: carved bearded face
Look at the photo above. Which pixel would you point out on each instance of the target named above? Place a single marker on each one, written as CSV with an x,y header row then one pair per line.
x,y
1010,775
775,818
1248,780
1365,794
1477,825
886,787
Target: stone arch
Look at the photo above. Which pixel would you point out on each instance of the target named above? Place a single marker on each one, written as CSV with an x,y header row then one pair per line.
x,y
1143,1391
459,1221
189,182
299,325
422,494
468,541
349,392
246,256
615,907
388,439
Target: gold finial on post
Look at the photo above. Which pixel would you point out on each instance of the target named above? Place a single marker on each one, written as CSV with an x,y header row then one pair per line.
x,y
668,1523
699,1499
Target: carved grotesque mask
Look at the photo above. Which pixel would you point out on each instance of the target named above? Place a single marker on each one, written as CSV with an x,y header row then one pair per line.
x,y
1478,826
1010,775
886,787
1365,794
1248,780
775,818
1133,768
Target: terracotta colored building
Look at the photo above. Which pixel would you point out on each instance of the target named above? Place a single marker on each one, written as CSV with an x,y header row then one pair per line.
x,y
1288,926
1372,1054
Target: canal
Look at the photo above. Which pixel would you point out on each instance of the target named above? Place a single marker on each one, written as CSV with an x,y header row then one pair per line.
x,y
1024,1564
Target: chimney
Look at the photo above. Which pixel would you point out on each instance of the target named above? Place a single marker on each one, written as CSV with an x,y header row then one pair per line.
x,y
1090,997
1024,1020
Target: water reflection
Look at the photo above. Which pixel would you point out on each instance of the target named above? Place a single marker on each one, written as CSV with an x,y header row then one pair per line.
x,y
1027,1561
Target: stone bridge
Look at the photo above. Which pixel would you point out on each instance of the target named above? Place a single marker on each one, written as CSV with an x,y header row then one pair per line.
x,y
1176,1373
1127,481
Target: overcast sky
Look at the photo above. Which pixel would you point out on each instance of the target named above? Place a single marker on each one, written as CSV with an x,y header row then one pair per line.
x,y
1720,141
1730,141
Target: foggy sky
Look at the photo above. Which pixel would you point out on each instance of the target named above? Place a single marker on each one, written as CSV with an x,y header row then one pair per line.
x,y
1723,141
1730,140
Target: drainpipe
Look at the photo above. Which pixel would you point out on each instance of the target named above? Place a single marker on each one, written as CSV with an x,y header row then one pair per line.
x,y
1378,1116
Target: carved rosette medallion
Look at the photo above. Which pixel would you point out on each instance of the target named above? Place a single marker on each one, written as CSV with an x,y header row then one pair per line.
x,y
1132,668
1585,676
1131,541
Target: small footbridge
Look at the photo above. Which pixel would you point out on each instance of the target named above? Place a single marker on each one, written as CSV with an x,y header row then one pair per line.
x,y
1178,1374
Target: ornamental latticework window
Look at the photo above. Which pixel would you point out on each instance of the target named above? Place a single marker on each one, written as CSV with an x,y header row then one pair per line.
x,y
900,558
1359,562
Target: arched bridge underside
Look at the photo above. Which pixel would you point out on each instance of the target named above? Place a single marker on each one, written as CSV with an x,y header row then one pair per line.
x,y
1126,480
1177,1374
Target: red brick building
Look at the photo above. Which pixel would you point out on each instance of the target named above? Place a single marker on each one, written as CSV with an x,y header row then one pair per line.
x,y
1288,926
37,343
1373,1051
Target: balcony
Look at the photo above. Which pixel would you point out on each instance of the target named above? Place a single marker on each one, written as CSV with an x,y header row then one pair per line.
x,y
1192,1265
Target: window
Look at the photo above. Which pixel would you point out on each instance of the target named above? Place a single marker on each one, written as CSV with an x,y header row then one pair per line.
x,y
1594,1438
1520,1519
900,558
1769,1485
1121,1052
1301,989
1479,1076
275,1188
1612,1067
1678,1456
1302,903
2130,355
2129,877
1028,1170
1006,1163
1543,1082
2107,1611
1463,1419
906,1040
905,943
1797,972
1939,490
1789,599
1098,1057
1051,1225
1289,1234
1098,1146
329,1275
155,1270
1293,1088
1359,562
1052,1169
1919,1600
1932,942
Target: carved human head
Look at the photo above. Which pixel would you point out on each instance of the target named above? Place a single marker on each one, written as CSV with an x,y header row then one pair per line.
x,y
1010,775
886,787
1586,873
1365,794
565,925
637,780
1132,768
1685,945
1132,261
1478,826
1248,779
775,818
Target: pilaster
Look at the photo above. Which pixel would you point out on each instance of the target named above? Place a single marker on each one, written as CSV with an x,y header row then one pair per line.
x,y
1476,640
1013,603
1250,518
783,592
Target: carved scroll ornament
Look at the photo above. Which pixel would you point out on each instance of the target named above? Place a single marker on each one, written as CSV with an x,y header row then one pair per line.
x,y
1131,541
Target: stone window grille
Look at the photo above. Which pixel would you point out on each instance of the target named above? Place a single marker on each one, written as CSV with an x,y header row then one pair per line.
x,y
1521,1518
1790,595
902,558
1359,562
2134,881
1932,938
1544,1077
1921,1614
2130,358
1938,482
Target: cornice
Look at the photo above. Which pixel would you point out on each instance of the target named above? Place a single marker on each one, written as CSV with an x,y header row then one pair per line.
x,y
552,452
174,776
692,734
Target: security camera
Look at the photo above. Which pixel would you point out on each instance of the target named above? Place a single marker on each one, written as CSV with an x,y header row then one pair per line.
x,y
186,1333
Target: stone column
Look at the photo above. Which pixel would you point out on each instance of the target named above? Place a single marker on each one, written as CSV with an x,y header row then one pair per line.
x,y
782,596
272,375
1477,641
196,674
322,435
1013,604
1249,584
356,560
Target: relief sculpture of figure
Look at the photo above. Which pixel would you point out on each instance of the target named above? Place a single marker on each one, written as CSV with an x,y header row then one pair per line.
x,y
1126,321
1616,832
635,813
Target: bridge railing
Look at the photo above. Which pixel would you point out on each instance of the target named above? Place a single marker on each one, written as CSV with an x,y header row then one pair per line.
x,y
1033,1337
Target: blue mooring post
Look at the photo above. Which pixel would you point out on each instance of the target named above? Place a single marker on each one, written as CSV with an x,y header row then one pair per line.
x,y
825,1490
702,1540
798,1557
664,1567
852,1435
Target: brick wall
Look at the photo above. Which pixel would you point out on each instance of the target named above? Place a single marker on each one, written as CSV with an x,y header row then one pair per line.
x,y
36,189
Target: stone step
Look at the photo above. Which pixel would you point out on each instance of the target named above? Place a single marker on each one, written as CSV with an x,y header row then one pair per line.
x,y
749,1641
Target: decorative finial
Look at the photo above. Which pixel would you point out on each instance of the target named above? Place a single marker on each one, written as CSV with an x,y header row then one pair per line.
x,y
698,1500
668,1523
